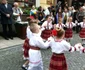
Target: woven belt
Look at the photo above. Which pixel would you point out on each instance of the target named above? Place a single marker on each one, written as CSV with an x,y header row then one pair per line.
x,y
34,48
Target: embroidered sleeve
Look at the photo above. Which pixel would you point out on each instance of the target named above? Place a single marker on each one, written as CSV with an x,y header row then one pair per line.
x,y
69,48
82,50
42,44
72,49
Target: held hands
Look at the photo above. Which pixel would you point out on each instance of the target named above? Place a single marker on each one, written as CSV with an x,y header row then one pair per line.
x,y
79,47
8,15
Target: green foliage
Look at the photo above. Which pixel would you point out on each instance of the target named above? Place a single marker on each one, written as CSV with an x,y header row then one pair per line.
x,y
26,11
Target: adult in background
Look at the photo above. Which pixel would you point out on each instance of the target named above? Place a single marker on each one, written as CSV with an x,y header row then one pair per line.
x,y
17,12
33,11
59,15
65,15
6,19
84,9
75,4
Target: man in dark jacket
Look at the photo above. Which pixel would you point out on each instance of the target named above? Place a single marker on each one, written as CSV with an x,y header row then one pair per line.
x,y
6,19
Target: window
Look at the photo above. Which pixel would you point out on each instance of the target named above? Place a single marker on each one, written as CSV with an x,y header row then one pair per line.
x,y
49,2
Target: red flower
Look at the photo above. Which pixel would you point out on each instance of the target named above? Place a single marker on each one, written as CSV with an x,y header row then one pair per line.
x,y
54,32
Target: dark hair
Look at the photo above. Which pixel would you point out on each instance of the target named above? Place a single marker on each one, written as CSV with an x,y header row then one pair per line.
x,y
47,16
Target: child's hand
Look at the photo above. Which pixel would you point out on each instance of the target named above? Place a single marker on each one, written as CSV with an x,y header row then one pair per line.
x,y
78,46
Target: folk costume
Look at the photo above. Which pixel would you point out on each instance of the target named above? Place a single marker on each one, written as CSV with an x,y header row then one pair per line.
x,y
26,45
47,30
69,31
82,32
60,25
58,60
35,58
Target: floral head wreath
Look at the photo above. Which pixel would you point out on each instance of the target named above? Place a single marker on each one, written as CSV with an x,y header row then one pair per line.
x,y
54,32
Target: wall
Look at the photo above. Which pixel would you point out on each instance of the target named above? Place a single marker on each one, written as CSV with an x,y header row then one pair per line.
x,y
43,3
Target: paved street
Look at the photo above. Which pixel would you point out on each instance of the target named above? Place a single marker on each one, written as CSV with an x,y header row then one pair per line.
x,y
11,58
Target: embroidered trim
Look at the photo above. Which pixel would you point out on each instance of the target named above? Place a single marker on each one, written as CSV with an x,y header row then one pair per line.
x,y
35,62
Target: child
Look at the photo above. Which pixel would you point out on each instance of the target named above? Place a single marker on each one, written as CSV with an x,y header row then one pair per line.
x,y
46,27
60,24
69,32
26,45
82,32
59,46
36,42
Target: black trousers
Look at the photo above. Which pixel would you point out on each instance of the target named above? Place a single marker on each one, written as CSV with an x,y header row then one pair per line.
x,y
7,30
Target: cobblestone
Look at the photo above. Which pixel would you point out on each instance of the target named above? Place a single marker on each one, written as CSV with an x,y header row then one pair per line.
x,y
11,58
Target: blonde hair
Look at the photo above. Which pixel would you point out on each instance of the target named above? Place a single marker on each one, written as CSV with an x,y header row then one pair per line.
x,y
33,27
70,19
60,32
34,21
60,20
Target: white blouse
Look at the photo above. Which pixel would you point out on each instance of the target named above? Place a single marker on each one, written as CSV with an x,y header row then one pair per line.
x,y
29,33
37,41
70,25
61,46
82,24
47,25
60,25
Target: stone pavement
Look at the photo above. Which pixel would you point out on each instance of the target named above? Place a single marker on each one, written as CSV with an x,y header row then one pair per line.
x,y
8,43
11,57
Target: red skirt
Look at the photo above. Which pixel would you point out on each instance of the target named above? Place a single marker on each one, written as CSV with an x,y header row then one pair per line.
x,y
26,48
68,33
58,62
46,34
82,33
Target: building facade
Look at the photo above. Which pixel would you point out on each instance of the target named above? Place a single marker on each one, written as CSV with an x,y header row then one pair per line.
x,y
45,2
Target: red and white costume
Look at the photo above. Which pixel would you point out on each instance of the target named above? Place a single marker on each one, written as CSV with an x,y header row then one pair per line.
x,y
69,32
82,32
60,25
58,61
47,32
26,45
35,58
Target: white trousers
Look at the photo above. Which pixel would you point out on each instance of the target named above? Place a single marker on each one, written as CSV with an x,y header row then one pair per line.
x,y
38,66
35,60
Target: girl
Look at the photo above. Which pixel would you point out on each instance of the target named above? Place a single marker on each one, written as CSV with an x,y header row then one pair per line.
x,y
59,46
69,32
82,32
46,27
60,24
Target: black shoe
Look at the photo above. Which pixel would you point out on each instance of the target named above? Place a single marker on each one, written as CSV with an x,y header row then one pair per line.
x,y
24,68
6,38
11,38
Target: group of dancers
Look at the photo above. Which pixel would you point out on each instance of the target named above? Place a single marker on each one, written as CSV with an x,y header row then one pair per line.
x,y
50,36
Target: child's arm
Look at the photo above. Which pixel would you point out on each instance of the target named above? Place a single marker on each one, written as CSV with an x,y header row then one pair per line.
x,y
82,49
42,44
70,48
